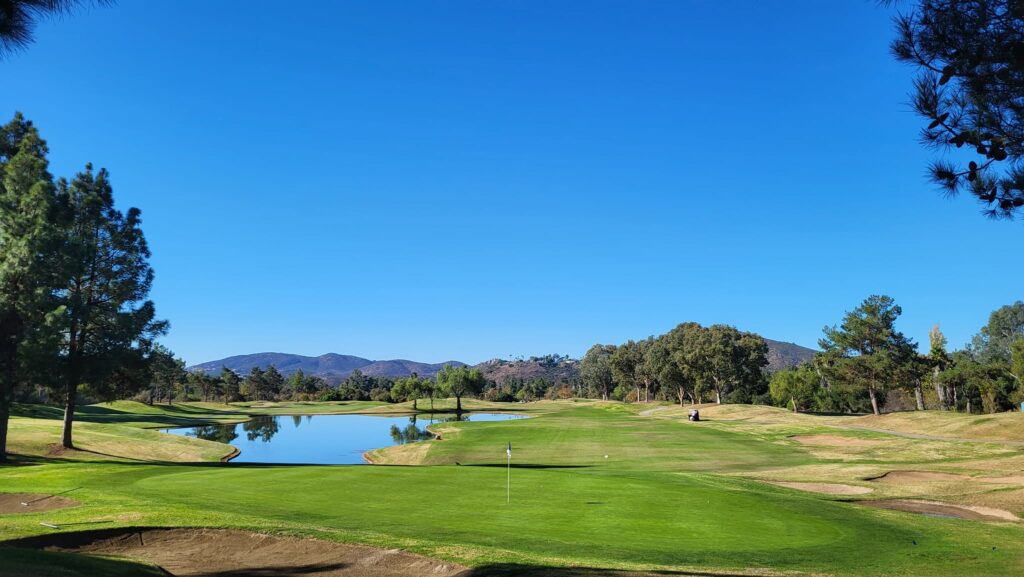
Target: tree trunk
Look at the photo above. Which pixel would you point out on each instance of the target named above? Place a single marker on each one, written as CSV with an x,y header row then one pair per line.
x,y
638,393
919,396
939,389
874,402
7,391
69,415
682,396
458,403
414,405
968,405
5,417
718,397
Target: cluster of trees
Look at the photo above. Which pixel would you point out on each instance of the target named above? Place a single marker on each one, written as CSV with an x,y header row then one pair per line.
x,y
74,281
690,362
866,363
171,381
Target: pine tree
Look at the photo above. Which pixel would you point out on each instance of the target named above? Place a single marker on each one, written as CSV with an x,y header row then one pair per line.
x,y
27,235
107,279
18,19
970,89
866,351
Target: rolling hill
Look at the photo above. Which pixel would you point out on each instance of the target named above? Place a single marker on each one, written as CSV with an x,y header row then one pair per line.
x,y
334,367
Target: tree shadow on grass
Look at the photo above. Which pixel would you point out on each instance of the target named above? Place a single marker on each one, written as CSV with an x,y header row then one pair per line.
x,y
526,466
278,571
517,570
183,415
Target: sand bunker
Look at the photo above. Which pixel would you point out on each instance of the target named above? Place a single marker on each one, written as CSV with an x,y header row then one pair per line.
x,y
834,441
32,503
199,552
827,488
917,477
937,509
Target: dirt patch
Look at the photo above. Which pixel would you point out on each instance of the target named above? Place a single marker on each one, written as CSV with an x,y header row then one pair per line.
x,y
834,441
826,488
32,503
214,552
56,450
937,509
917,477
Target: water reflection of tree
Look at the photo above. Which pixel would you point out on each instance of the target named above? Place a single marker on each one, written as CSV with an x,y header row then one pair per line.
x,y
219,433
409,434
263,428
449,418
297,419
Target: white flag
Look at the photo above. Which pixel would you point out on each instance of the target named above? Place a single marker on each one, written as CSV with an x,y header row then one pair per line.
x,y
508,451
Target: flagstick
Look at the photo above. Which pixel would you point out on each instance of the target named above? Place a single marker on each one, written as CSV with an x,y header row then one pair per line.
x,y
508,481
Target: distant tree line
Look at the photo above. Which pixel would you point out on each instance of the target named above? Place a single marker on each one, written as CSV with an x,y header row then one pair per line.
x,y
867,365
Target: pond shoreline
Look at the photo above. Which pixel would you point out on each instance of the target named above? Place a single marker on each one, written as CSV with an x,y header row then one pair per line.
x,y
315,439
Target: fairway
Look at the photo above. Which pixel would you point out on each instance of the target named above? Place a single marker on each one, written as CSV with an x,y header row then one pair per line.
x,y
670,496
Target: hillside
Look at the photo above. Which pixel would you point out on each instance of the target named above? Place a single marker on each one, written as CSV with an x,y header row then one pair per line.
x,y
334,367
784,355
331,367
552,368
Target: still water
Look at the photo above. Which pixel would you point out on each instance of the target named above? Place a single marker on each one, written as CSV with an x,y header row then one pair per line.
x,y
323,439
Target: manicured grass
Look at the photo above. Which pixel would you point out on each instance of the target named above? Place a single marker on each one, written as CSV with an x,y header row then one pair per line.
x,y
669,497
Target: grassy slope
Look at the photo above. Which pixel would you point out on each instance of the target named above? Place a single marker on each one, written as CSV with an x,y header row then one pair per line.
x,y
120,430
658,501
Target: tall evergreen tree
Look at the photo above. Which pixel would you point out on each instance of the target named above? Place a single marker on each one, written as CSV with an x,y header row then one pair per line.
x,y
230,384
866,350
28,322
108,278
165,371
273,382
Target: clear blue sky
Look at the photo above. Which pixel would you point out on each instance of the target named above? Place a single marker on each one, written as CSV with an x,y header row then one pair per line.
x,y
465,180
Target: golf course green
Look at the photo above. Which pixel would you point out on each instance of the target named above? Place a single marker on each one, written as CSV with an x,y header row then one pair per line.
x,y
593,485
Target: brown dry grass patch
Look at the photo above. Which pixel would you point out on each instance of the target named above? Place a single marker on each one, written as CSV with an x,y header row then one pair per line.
x,y
826,488
835,441
902,477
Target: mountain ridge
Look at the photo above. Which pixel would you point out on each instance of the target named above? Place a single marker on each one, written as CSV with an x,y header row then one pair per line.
x,y
335,367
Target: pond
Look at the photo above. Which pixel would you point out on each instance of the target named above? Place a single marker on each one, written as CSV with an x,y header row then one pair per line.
x,y
323,439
